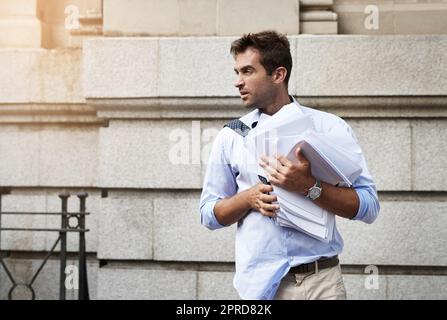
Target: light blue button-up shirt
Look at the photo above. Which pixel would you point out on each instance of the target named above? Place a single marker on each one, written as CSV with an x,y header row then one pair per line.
x,y
265,251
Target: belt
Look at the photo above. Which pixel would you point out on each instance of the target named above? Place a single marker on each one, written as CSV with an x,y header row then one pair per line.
x,y
322,263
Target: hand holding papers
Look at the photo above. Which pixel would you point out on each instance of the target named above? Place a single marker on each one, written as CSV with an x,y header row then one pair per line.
x,y
328,155
329,162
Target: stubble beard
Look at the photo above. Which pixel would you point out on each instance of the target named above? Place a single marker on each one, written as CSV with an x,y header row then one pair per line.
x,y
248,104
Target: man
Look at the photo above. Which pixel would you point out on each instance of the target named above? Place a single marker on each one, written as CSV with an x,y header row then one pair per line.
x,y
274,261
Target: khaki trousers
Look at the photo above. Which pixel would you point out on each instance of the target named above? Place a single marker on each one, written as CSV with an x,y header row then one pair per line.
x,y
326,284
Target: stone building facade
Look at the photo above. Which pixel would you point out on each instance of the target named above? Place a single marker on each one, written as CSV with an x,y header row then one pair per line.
x,y
101,96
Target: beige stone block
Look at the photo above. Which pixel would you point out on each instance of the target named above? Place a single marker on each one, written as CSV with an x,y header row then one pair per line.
x,y
44,76
58,77
60,20
317,15
120,67
68,157
396,287
356,17
216,286
294,74
18,7
236,17
371,65
48,157
19,25
318,27
421,21
126,228
357,290
395,17
354,23
15,61
124,283
150,154
430,155
207,62
141,17
197,17
316,3
57,11
19,155
408,287
157,17
54,36
357,3
386,145
20,33
179,235
405,233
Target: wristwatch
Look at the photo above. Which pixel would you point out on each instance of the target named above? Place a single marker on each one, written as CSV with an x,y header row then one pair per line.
x,y
315,191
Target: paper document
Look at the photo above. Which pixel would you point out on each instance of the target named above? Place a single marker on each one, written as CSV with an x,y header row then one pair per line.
x,y
334,157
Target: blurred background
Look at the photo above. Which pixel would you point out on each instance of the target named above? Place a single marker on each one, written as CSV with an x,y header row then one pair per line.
x,y
122,99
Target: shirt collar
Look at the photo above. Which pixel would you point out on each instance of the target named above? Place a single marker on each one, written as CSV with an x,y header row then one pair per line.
x,y
258,116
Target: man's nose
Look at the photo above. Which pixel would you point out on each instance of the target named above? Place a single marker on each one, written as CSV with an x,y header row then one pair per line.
x,y
239,82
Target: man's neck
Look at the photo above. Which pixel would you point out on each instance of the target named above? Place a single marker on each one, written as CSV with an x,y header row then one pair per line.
x,y
278,102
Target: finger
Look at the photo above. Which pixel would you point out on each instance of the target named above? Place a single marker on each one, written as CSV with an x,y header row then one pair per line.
x,y
272,162
268,198
270,170
264,188
300,156
269,206
274,181
284,161
268,213
258,204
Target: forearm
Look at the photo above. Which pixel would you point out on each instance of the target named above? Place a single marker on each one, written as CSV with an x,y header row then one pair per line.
x,y
231,210
343,202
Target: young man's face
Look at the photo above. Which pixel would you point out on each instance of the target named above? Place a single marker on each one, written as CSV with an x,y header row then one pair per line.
x,y
255,85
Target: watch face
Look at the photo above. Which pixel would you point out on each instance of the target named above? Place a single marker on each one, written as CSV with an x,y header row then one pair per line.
x,y
314,193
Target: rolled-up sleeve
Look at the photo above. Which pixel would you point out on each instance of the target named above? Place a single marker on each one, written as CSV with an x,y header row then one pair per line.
x,y
369,206
219,182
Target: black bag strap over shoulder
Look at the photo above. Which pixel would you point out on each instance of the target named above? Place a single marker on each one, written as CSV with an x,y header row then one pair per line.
x,y
238,126
241,128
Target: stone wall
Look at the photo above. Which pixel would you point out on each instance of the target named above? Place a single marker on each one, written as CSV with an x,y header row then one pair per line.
x,y
106,115
395,16
147,230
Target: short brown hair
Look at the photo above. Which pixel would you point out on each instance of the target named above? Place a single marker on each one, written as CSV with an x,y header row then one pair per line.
x,y
273,47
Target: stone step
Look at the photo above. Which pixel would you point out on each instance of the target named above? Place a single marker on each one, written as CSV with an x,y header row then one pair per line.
x,y
318,27
318,15
306,4
95,30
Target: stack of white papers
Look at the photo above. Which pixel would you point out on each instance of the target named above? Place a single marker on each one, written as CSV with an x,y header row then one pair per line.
x,y
334,159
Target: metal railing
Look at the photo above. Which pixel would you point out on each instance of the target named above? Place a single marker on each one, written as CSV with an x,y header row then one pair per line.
x,y
70,222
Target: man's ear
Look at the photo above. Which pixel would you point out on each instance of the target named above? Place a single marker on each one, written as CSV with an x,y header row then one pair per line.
x,y
279,75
